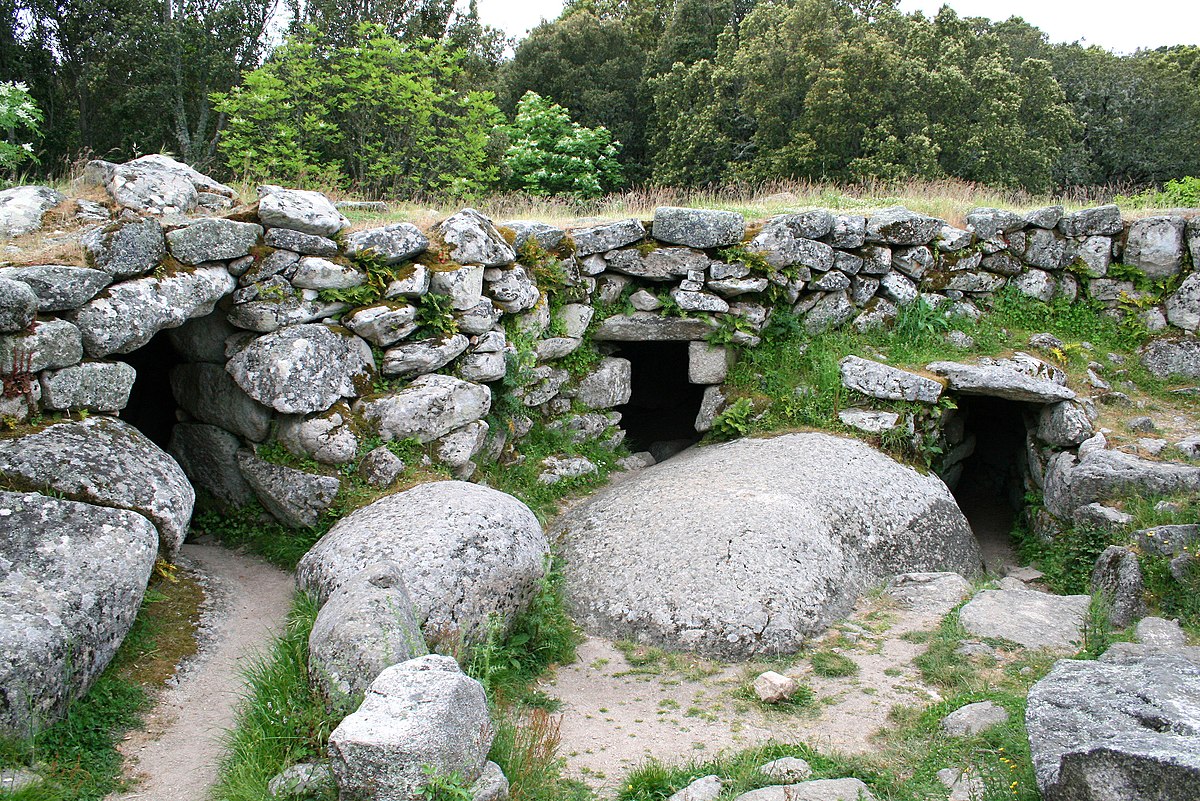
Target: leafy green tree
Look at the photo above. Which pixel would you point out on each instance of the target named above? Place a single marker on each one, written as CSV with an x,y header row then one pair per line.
x,y
386,116
593,68
551,155
20,119
338,20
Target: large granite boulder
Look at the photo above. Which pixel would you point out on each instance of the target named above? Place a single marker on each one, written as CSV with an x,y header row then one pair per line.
x,y
107,462
608,236
474,240
18,306
365,627
879,380
72,577
392,244
208,393
303,368
420,716
22,207
468,554
50,345
127,315
158,184
899,226
752,546
213,239
1177,357
1125,728
97,386
1155,245
293,497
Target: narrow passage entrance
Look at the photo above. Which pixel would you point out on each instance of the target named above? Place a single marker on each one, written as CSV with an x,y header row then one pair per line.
x,y
151,407
661,414
990,488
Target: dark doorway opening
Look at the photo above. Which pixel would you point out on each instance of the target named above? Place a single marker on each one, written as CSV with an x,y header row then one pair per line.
x,y
991,488
151,407
661,414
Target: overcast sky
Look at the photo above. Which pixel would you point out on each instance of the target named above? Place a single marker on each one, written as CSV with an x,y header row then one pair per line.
x,y
1116,26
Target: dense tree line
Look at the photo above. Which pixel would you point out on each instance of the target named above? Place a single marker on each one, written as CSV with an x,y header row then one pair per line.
x,y
410,96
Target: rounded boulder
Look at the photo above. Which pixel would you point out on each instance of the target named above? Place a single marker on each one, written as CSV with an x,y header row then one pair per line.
x,y
468,554
752,546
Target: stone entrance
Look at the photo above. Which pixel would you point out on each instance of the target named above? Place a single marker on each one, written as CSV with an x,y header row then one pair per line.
x,y
660,416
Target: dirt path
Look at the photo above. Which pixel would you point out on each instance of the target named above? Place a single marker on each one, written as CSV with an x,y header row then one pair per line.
x,y
175,758
618,712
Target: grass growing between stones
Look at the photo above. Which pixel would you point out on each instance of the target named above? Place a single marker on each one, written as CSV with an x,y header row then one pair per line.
x,y
282,720
77,757
831,664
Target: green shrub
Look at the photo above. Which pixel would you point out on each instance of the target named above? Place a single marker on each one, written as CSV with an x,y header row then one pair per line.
x,y
549,154
20,118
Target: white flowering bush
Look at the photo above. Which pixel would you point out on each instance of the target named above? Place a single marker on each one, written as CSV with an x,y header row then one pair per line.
x,y
551,155
20,119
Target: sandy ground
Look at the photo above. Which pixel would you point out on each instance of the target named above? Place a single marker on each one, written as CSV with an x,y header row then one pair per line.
x,y
616,715
175,758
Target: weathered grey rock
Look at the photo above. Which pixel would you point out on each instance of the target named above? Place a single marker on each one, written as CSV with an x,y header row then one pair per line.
x,y
708,364
1030,619
514,290
772,687
1019,378
293,497
307,244
848,231
832,311
1167,357
300,210
213,239
728,288
609,385
1183,305
898,289
22,208
650,327
1105,474
483,368
303,780
969,720
697,228
492,784
786,769
610,236
327,437
784,247
542,385
412,283
51,344
108,462
872,422
475,241
832,281
157,184
276,263
559,468
125,248
99,386
59,287
303,368
366,626
72,577
464,286
952,240
711,404
208,393
1172,540
1098,221
314,272
816,790
18,306
899,226
1036,284
392,243
706,788
202,339
929,592
886,382
467,553
410,359
208,455
428,408
275,304
1155,245
698,301
978,282
483,316
547,236
916,261
1095,253
1047,217
381,467
456,449
792,567
420,715
1159,633
1064,425
1118,576
382,324
127,315
1048,250
1125,728
987,223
